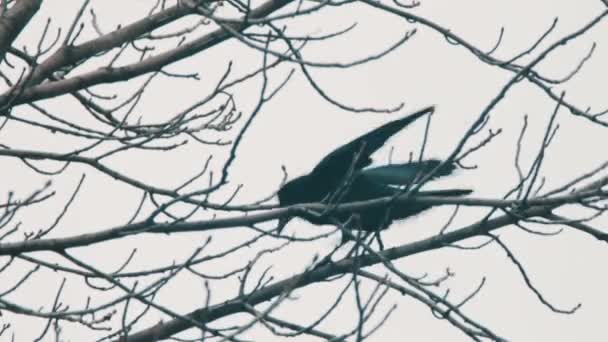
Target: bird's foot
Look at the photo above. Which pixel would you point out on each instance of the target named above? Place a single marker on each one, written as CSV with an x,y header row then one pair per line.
x,y
378,238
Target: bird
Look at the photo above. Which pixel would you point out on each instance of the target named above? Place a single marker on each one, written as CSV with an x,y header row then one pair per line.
x,y
342,177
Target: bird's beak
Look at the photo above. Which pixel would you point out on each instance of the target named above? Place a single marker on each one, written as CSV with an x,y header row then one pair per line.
x,y
282,223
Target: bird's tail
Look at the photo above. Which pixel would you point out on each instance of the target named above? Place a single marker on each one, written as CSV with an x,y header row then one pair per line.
x,y
445,193
411,209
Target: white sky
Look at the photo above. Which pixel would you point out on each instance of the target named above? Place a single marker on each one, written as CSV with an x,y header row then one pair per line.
x,y
298,128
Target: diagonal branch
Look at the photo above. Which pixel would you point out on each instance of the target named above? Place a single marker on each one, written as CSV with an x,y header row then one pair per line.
x,y
239,304
70,54
155,63
14,20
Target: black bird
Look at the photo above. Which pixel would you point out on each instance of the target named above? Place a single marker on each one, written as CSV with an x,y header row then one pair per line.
x,y
340,178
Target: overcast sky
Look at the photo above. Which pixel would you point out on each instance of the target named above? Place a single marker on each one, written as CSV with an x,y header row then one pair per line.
x,y
297,128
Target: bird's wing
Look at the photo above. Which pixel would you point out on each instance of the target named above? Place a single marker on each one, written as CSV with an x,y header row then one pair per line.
x,y
337,164
408,173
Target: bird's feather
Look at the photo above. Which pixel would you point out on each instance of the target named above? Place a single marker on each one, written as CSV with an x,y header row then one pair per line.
x,y
337,163
408,173
328,179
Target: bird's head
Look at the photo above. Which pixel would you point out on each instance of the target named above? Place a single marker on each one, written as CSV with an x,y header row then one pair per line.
x,y
292,192
295,191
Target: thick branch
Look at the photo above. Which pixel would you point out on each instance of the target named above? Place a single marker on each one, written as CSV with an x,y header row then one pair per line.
x,y
236,305
539,206
68,55
14,20
155,63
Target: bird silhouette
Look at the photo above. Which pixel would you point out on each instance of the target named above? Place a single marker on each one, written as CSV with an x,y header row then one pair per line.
x,y
341,177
